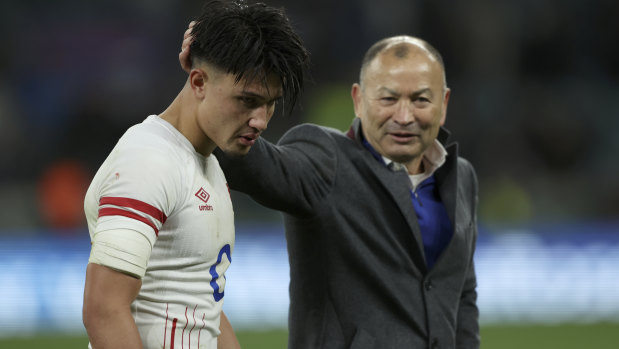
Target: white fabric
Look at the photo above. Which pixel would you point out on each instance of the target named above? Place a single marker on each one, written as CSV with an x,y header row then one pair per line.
x,y
121,249
433,158
155,183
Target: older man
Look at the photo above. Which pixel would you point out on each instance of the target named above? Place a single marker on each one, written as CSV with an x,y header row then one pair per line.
x,y
380,221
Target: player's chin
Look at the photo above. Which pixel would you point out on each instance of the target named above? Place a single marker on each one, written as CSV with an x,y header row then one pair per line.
x,y
237,150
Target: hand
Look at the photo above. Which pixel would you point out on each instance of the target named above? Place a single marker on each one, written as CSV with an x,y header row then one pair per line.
x,y
183,56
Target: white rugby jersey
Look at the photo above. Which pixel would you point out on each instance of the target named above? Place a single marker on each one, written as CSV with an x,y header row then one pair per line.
x,y
154,182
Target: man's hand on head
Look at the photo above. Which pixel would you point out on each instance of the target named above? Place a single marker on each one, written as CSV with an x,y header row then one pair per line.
x,y
184,57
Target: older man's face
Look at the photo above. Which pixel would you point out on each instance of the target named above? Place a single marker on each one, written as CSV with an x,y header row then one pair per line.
x,y
402,102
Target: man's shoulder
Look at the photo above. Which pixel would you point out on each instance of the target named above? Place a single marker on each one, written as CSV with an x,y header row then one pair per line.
x,y
309,130
465,164
466,170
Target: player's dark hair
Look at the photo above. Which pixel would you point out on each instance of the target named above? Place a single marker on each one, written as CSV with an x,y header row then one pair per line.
x,y
251,41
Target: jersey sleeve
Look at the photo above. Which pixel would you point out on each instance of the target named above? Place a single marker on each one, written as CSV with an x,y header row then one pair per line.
x,y
137,190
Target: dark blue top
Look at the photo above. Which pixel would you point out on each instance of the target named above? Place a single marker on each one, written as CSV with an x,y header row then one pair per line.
x,y
434,223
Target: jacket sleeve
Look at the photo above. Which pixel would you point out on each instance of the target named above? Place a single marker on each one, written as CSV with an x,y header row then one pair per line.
x,y
467,336
292,176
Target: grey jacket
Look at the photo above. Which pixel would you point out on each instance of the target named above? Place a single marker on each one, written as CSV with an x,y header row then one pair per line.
x,y
358,277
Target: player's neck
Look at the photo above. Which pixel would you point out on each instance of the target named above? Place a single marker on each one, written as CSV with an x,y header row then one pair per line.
x,y
172,114
181,114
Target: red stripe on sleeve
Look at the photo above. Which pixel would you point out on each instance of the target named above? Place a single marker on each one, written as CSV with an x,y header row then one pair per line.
x,y
136,205
108,211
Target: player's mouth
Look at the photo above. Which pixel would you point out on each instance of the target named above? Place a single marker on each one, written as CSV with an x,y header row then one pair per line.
x,y
403,137
249,139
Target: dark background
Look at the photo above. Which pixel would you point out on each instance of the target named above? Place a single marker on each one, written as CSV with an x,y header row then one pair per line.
x,y
534,104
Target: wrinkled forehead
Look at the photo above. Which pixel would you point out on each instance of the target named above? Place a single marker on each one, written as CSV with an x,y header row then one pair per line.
x,y
404,47
405,56
402,58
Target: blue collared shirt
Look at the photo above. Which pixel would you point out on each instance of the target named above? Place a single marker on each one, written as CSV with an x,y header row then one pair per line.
x,y
436,228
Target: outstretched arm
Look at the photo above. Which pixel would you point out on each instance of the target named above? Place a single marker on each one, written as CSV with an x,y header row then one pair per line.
x,y
296,176
106,314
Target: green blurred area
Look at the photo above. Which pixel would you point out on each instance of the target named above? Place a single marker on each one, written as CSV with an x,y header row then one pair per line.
x,y
332,106
565,336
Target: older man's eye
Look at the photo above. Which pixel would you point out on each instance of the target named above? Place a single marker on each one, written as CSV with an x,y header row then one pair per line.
x,y
422,102
388,99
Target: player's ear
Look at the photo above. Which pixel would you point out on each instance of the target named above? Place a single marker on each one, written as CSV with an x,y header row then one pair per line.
x,y
355,93
197,80
445,102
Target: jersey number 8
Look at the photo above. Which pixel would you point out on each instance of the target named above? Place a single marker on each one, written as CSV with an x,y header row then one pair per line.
x,y
216,294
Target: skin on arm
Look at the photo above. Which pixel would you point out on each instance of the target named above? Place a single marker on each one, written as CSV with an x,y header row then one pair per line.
x,y
106,314
227,338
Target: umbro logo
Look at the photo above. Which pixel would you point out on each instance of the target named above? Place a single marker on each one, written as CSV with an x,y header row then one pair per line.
x,y
204,196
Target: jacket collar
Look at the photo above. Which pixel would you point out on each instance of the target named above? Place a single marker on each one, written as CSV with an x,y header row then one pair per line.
x,y
445,176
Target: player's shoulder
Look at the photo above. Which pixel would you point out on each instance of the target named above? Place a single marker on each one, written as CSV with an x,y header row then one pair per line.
x,y
154,138
150,132
149,147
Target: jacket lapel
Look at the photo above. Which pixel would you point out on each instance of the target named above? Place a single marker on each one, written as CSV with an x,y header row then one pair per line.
x,y
397,185
446,177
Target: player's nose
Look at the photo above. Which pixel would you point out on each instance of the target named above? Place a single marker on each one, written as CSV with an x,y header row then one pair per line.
x,y
260,118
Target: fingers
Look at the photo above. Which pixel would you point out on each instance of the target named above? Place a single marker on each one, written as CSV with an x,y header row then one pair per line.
x,y
183,56
185,61
186,44
187,38
189,28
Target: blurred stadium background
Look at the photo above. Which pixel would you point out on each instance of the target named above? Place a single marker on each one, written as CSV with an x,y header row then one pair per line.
x,y
534,106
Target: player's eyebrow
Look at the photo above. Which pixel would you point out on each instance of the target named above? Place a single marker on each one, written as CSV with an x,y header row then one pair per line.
x,y
388,90
261,97
422,91
415,93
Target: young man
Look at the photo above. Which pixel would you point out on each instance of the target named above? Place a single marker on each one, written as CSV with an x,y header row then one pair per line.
x,y
159,210
380,221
